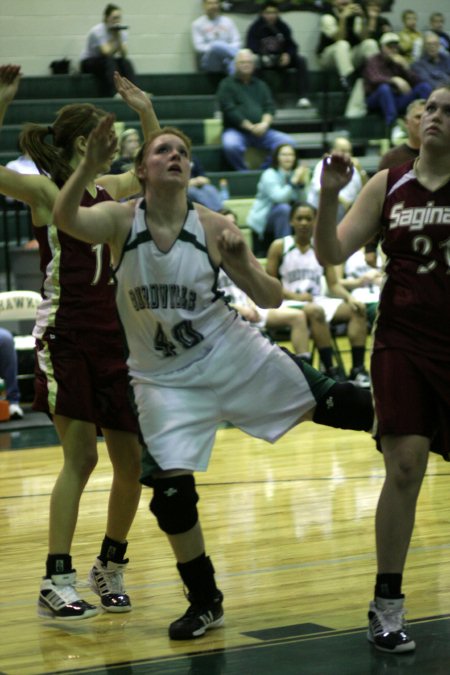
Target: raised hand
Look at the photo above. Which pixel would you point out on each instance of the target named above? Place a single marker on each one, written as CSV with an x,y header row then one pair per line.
x,y
337,170
102,144
137,99
9,82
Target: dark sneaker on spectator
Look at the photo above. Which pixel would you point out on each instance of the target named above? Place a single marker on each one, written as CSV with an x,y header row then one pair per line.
x,y
15,411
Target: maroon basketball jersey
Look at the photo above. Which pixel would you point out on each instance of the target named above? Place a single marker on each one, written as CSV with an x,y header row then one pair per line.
x,y
77,291
414,308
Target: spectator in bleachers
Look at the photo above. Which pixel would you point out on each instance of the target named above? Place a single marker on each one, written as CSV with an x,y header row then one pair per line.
x,y
433,66
362,280
270,38
411,39
248,108
106,51
9,373
267,319
292,260
216,39
389,83
408,150
437,21
349,193
200,188
343,42
279,185
397,156
129,143
376,22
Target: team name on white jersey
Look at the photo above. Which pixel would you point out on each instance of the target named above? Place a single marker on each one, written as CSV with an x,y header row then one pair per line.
x,y
417,217
163,296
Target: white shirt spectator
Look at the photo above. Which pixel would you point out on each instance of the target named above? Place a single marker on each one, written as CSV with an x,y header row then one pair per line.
x,y
98,36
206,31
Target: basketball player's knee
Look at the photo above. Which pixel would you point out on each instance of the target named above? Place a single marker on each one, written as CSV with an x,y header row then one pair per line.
x,y
345,406
174,504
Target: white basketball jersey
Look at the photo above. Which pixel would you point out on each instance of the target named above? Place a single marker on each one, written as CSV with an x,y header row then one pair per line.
x,y
169,303
300,272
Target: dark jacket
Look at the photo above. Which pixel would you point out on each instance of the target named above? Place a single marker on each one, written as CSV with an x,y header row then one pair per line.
x,y
270,41
239,101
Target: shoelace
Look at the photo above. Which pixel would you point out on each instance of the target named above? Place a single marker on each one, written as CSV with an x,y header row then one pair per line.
x,y
110,581
204,615
390,620
67,593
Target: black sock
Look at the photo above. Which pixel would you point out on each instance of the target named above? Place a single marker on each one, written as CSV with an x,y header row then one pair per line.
x,y
388,586
326,356
358,354
58,563
112,550
198,577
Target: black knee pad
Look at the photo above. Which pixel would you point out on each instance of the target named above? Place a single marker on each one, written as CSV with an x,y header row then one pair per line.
x,y
174,503
345,406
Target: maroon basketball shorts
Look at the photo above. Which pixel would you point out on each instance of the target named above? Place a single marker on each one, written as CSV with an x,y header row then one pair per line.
x,y
412,397
82,375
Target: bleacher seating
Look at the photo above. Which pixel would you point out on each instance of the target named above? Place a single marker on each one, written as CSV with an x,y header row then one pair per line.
x,y
188,101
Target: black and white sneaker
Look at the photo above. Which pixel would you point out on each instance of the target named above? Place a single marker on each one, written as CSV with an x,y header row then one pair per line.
x,y
58,599
387,627
15,412
197,620
107,582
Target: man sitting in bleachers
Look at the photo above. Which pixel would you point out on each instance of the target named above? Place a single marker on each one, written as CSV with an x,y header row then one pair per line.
x,y
248,108
216,39
270,38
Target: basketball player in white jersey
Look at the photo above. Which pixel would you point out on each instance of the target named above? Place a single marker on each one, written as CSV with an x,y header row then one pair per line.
x,y
194,362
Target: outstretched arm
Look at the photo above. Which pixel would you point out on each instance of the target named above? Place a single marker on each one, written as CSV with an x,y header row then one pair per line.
x,y
105,222
9,84
245,271
139,101
36,191
334,245
121,186
227,247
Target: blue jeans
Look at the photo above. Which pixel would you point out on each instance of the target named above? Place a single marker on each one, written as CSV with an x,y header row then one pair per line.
x,y
219,58
391,104
236,142
278,220
8,365
208,195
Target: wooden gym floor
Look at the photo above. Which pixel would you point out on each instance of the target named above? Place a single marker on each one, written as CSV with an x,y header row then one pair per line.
x,y
290,530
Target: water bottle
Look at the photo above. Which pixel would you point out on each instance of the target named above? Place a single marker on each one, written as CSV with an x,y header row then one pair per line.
x,y
223,189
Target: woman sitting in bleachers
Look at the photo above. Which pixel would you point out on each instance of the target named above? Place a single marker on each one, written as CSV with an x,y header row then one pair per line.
x,y
280,185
